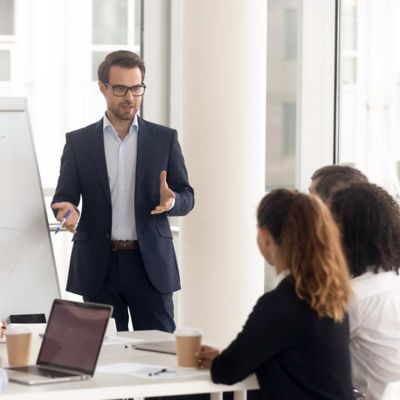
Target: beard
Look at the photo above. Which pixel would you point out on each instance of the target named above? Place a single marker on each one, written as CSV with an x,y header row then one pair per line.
x,y
124,111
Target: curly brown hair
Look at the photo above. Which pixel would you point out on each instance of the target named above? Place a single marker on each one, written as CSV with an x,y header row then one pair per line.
x,y
369,219
303,227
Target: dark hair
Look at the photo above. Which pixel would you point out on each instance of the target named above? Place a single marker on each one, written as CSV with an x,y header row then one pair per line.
x,y
121,58
369,219
334,177
303,227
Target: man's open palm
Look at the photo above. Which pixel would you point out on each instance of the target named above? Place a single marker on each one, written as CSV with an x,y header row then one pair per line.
x,y
167,196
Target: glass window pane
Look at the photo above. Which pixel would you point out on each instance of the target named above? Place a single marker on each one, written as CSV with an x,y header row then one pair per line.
x,y
349,25
4,65
347,123
348,69
282,90
6,17
97,58
369,118
289,129
110,22
291,34
138,24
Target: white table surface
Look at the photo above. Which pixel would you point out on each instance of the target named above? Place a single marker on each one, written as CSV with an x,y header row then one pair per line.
x,y
116,386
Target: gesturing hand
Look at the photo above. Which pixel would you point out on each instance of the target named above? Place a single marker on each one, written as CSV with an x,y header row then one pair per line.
x,y
167,196
72,221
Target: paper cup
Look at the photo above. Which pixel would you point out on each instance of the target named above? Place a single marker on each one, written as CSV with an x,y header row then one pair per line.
x,y
18,346
188,342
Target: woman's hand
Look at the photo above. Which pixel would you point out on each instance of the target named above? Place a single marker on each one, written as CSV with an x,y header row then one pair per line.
x,y
206,356
3,326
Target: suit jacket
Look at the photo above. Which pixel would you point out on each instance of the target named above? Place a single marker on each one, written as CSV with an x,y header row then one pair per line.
x,y
294,353
83,174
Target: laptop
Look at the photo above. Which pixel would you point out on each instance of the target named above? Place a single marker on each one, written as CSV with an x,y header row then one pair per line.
x,y
70,346
168,347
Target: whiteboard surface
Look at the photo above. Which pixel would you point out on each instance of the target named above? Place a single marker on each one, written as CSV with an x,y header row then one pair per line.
x,y
28,278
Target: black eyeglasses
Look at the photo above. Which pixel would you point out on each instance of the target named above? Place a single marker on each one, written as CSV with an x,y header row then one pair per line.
x,y
121,91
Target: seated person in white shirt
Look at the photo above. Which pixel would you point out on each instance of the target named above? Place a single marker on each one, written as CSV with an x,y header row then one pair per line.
x,y
369,219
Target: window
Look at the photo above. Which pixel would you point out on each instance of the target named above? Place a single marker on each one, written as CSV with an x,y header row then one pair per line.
x,y
300,94
290,33
110,22
282,90
6,17
53,62
289,129
349,42
7,39
116,25
369,93
5,65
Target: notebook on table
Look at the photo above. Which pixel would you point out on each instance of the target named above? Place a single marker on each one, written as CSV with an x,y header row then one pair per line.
x,y
70,346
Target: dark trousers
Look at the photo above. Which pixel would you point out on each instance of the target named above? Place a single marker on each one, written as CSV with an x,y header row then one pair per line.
x,y
127,286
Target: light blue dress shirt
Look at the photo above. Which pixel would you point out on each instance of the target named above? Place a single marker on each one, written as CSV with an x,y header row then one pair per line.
x,y
121,158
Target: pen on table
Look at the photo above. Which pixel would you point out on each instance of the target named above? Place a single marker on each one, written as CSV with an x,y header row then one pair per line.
x,y
61,224
160,371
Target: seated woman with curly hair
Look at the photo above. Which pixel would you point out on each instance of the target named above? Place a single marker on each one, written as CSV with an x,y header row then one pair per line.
x,y
369,219
296,338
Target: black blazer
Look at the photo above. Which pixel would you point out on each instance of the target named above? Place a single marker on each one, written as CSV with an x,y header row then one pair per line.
x,y
295,354
84,173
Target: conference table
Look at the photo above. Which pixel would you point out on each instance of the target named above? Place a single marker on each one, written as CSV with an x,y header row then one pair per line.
x,y
120,386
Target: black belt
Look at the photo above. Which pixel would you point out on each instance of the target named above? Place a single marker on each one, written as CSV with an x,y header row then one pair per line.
x,y
124,245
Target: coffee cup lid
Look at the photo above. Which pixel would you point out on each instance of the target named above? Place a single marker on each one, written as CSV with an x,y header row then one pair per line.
x,y
16,330
188,331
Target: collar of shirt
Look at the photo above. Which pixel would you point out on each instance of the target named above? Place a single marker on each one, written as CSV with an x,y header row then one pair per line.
x,y
108,127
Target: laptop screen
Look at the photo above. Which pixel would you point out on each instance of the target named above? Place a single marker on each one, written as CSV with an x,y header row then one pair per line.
x,y
74,335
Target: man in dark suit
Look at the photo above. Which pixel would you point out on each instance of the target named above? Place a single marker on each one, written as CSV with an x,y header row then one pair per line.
x,y
131,175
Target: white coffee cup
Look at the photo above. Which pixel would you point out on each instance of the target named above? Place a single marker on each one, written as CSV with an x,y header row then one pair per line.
x,y
188,342
18,345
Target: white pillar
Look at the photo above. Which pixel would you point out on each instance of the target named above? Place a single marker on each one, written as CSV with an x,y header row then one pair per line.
x,y
223,134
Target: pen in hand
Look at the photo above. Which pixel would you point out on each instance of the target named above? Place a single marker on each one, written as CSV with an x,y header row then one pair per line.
x,y
60,226
160,371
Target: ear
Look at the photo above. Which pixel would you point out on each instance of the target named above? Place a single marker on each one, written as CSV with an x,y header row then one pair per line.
x,y
265,236
312,187
102,87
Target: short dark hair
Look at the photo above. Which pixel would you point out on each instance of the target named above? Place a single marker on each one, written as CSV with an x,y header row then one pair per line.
x,y
121,58
369,219
334,177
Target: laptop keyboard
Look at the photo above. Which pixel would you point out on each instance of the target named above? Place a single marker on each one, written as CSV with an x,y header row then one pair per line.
x,y
31,369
